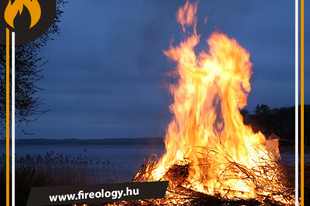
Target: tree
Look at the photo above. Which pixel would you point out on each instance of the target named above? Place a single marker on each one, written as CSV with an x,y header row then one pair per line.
x,y
27,73
245,113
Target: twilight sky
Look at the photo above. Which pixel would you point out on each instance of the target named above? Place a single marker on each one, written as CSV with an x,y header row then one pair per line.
x,y
105,74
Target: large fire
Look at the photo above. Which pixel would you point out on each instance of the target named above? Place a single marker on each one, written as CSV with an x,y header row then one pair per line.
x,y
209,149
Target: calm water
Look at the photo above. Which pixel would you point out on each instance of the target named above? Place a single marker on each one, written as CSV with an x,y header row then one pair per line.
x,y
129,157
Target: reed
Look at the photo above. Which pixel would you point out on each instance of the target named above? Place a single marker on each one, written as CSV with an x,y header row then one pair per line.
x,y
57,170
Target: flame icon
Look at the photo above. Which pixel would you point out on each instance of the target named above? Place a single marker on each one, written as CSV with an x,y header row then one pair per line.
x,y
17,7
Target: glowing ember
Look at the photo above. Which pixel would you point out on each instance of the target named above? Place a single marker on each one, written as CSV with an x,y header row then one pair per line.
x,y
209,149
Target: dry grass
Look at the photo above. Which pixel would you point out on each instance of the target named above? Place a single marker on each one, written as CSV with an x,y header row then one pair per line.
x,y
66,170
57,170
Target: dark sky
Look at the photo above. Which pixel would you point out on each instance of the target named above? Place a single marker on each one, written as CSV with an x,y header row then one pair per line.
x,y
105,74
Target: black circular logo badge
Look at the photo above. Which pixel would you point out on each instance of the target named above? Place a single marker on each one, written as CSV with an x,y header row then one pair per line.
x,y
29,19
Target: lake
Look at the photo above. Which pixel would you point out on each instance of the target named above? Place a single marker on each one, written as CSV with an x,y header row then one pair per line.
x,y
129,157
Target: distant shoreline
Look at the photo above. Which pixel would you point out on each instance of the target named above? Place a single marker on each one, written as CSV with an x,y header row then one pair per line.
x,y
108,141
144,141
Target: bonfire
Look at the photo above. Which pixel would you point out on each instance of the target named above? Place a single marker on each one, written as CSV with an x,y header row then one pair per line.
x,y
211,157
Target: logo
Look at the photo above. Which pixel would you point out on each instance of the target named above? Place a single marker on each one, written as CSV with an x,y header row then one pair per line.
x,y
29,19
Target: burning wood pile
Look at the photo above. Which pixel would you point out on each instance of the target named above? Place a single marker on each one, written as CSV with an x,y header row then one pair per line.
x,y
269,182
212,158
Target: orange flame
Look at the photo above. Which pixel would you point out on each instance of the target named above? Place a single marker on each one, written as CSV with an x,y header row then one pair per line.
x,y
17,7
211,88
